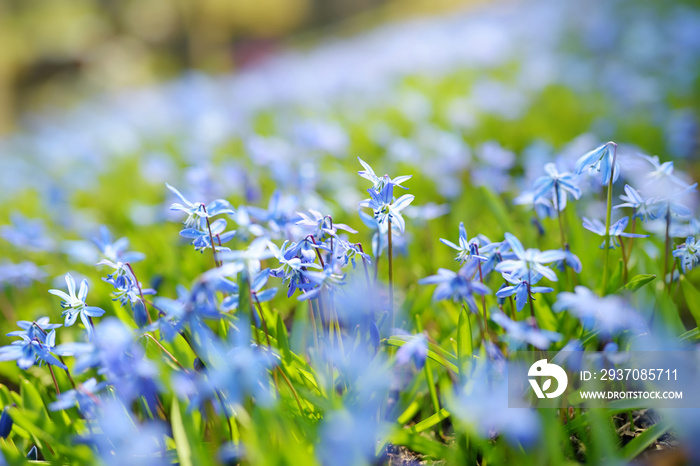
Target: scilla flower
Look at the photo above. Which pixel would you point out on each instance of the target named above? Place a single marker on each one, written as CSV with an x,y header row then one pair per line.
x,y
467,247
688,253
74,305
556,184
602,159
519,288
616,230
197,213
644,208
386,208
529,262
379,182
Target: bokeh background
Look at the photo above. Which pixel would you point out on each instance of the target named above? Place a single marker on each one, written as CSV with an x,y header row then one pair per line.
x,y
55,53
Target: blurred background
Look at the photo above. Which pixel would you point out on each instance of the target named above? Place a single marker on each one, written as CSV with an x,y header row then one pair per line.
x,y
55,53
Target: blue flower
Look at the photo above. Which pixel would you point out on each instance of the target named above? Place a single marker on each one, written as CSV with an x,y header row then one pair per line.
x,y
28,234
30,328
459,286
610,314
197,213
616,230
5,423
380,182
483,405
115,251
662,171
644,209
34,346
603,159
201,238
519,288
348,252
688,253
415,349
322,225
74,305
522,333
386,208
570,260
256,288
120,440
467,247
84,396
319,281
529,262
20,275
557,185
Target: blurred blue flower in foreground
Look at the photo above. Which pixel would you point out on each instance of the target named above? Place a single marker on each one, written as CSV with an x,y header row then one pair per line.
x,y
521,333
415,349
74,305
616,230
483,404
120,440
84,396
610,315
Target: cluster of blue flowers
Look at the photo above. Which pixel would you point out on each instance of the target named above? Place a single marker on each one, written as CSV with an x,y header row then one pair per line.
x,y
344,347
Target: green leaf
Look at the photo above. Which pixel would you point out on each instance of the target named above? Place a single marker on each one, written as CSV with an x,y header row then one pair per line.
x,y
189,445
429,422
637,282
395,341
464,339
184,449
691,335
692,298
32,402
641,443
418,443
282,340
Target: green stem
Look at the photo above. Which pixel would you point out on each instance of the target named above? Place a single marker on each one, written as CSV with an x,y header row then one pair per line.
x,y
55,382
165,351
608,218
391,279
667,248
